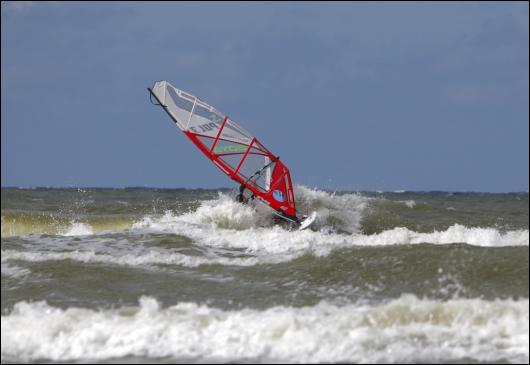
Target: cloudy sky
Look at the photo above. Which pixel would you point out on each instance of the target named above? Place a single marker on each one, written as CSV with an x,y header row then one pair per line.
x,y
353,96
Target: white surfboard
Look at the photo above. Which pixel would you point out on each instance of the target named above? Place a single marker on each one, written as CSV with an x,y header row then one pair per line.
x,y
308,221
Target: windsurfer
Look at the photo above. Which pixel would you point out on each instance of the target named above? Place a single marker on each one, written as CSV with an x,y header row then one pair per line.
x,y
241,198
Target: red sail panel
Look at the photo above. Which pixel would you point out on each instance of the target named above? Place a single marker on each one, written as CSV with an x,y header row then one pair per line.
x,y
242,163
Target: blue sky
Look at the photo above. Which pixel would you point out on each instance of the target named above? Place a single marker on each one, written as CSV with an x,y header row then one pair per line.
x,y
354,96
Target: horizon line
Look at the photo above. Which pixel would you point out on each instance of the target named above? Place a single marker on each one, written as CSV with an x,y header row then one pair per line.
x,y
380,191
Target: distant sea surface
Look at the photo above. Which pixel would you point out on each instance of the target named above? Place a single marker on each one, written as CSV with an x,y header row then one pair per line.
x,y
189,275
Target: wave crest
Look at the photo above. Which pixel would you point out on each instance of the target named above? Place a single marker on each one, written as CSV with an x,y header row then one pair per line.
x,y
406,329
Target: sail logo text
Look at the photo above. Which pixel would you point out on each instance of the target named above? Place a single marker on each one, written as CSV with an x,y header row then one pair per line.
x,y
204,128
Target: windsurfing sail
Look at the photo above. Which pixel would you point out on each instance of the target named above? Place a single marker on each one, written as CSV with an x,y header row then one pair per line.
x,y
232,149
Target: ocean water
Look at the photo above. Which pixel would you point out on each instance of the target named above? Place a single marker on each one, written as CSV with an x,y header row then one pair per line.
x,y
174,275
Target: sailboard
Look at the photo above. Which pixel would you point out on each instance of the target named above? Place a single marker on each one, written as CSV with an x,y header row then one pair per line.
x,y
236,152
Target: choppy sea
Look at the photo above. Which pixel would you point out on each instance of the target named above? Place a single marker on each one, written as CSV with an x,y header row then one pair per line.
x,y
188,275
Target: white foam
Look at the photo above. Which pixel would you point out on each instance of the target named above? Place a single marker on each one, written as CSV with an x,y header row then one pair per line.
x,y
13,271
404,330
408,203
226,213
486,237
254,245
138,259
78,229
278,240
338,211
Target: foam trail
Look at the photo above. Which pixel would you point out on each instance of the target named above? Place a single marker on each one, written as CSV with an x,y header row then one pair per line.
x,y
13,271
403,330
486,237
255,245
149,258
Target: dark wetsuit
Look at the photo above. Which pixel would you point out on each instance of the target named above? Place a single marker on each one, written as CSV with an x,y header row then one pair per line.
x,y
241,197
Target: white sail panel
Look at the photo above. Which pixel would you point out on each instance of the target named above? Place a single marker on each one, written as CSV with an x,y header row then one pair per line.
x,y
196,116
205,120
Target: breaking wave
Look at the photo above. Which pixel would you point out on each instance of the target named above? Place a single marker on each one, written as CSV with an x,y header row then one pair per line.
x,y
230,233
403,330
337,213
254,246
